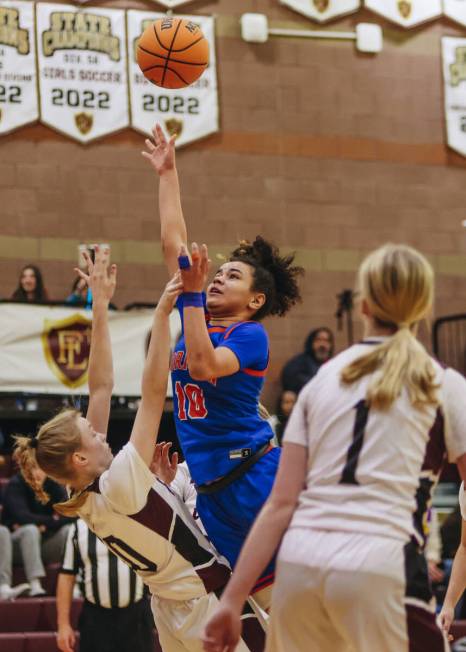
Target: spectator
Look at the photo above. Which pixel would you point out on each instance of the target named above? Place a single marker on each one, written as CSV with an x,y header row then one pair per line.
x,y
318,348
278,421
116,616
38,533
8,592
31,286
80,293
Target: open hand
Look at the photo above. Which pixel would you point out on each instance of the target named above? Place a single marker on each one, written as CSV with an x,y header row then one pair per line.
x,y
172,291
160,153
162,466
100,278
446,617
195,276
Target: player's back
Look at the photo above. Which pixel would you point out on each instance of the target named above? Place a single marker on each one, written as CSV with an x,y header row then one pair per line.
x,y
366,465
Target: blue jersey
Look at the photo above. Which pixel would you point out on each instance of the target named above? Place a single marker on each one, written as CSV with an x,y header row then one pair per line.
x,y
217,421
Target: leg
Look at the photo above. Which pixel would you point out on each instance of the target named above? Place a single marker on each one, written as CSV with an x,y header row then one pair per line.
x,y
53,546
299,620
6,556
26,550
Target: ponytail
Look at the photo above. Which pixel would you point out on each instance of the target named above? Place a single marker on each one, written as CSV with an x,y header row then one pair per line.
x,y
396,284
400,362
51,451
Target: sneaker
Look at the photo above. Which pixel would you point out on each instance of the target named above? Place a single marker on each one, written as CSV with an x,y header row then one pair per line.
x,y
12,592
37,592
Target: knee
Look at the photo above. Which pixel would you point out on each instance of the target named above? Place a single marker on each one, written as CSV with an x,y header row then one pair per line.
x,y
30,532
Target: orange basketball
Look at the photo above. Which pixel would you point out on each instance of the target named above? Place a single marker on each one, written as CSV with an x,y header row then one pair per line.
x,y
173,52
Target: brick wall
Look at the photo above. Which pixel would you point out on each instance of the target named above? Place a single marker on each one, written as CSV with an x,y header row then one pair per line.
x,y
324,150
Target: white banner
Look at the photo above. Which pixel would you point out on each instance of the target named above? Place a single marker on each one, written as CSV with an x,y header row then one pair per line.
x,y
454,76
191,112
406,12
18,83
323,10
45,350
82,62
172,3
456,10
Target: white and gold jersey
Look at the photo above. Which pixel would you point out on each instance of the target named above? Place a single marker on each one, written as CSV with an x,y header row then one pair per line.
x,y
372,471
147,526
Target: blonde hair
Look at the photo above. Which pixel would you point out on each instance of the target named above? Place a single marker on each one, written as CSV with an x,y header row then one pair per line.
x,y
51,451
397,282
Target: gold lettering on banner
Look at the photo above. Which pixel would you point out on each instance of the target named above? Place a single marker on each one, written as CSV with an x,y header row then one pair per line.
x,y
84,122
405,8
458,69
10,31
80,31
174,127
321,5
66,345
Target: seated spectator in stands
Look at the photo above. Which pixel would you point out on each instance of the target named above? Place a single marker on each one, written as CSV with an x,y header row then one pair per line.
x,y
8,592
278,421
37,531
80,293
30,287
318,348
116,616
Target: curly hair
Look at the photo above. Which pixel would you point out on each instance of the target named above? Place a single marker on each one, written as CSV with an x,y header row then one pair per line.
x,y
274,275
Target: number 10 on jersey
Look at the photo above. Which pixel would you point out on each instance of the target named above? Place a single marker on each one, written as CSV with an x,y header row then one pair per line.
x,y
191,403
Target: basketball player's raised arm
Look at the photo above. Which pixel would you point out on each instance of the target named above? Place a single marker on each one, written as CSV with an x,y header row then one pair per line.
x,y
161,155
102,281
155,375
224,629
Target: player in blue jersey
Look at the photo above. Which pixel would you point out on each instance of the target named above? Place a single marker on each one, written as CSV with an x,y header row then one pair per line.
x,y
219,365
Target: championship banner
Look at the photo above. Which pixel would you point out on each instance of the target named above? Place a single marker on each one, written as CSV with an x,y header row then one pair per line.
x,y
82,70
190,113
407,13
323,10
454,77
18,82
45,350
456,10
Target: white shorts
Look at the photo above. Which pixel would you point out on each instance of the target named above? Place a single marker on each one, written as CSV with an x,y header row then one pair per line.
x,y
343,592
180,624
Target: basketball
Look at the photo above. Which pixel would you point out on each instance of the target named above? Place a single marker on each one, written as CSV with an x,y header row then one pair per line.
x,y
173,52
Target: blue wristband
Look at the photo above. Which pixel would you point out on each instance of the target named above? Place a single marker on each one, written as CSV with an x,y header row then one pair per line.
x,y
193,300
183,262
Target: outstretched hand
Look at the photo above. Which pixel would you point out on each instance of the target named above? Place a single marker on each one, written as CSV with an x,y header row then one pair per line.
x,y
100,277
172,291
160,153
195,276
223,630
162,466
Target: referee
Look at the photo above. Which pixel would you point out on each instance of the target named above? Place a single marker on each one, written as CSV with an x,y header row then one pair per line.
x,y
116,616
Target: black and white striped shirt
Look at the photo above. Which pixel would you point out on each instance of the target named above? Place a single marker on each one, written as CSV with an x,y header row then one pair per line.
x,y
104,579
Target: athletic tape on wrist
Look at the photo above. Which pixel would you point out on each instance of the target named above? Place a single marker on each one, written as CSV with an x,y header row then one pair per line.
x,y
193,300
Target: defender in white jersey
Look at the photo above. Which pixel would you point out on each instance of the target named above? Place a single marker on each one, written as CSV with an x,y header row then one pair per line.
x,y
363,448
138,517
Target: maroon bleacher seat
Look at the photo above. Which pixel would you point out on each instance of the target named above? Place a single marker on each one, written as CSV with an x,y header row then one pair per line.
x,y
12,642
20,615
40,642
49,582
48,614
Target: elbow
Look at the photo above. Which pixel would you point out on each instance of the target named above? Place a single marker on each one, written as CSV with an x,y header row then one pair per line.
x,y
199,371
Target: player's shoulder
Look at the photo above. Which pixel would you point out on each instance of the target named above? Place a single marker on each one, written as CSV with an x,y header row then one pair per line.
x,y
249,328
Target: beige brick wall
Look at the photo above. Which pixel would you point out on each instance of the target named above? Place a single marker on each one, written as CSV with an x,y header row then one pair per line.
x,y
324,150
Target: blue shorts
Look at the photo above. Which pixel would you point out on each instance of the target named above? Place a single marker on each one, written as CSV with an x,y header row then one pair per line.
x,y
229,513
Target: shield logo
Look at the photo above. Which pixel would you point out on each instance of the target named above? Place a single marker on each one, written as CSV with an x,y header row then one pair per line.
x,y
458,69
84,122
174,127
405,8
321,5
66,345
